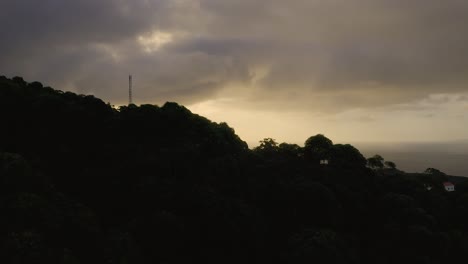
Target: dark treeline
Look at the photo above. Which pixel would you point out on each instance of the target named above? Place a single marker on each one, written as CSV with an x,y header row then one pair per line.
x,y
82,182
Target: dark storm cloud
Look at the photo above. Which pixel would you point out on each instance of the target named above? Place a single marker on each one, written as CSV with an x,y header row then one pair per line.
x,y
336,53
34,25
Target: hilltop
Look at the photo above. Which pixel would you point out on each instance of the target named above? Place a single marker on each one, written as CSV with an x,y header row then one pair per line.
x,y
82,182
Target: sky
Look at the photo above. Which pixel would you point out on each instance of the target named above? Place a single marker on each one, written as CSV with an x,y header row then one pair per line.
x,y
354,70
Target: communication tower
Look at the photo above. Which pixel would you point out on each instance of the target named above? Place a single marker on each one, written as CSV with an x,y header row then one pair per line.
x,y
130,101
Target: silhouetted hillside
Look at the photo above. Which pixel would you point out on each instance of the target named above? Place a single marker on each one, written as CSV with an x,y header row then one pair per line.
x,y
81,182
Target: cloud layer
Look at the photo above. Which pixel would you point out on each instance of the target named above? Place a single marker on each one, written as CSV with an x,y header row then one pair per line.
x,y
328,56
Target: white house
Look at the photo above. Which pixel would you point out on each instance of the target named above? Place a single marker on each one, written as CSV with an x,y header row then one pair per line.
x,y
449,187
324,162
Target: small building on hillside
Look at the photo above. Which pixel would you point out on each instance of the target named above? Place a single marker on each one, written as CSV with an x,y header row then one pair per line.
x,y
449,187
324,162
428,187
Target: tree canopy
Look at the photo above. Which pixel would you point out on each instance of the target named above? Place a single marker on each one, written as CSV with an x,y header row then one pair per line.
x,y
317,148
83,182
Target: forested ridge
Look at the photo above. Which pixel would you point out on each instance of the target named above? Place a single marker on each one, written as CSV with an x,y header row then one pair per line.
x,y
83,182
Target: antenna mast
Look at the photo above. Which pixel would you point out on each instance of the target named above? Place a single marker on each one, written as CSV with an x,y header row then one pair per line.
x,y
130,90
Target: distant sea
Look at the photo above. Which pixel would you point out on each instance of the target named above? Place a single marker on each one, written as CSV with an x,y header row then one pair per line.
x,y
448,157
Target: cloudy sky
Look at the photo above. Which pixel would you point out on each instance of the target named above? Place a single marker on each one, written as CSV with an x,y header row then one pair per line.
x,y
354,70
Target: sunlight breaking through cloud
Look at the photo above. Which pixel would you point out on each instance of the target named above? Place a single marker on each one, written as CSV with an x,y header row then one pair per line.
x,y
154,41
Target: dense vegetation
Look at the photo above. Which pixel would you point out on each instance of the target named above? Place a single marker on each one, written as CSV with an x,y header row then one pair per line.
x,y
82,182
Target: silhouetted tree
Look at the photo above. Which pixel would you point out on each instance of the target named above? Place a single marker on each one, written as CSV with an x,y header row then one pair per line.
x,y
317,148
390,165
434,171
268,145
346,156
375,162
